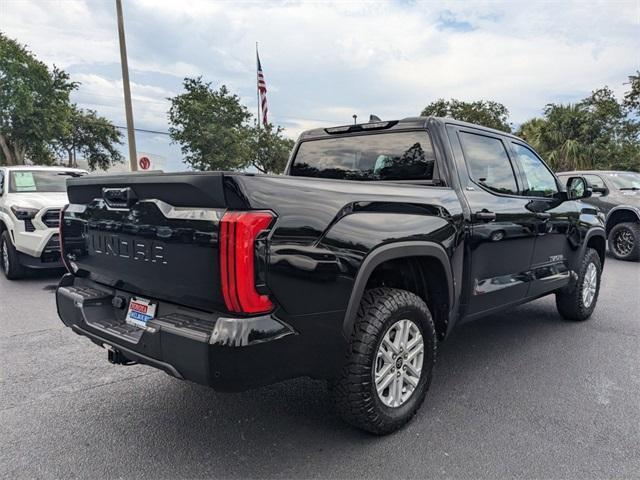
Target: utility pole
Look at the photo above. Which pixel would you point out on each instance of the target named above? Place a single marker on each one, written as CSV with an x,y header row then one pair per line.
x,y
133,158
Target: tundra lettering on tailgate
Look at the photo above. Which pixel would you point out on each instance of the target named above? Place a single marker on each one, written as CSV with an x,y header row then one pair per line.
x,y
126,247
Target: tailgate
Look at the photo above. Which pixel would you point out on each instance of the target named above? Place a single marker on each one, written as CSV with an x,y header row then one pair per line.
x,y
155,235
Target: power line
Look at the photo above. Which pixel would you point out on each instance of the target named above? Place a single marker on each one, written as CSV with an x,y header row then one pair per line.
x,y
142,130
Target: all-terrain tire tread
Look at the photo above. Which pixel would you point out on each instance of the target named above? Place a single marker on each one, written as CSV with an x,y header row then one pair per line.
x,y
352,393
569,301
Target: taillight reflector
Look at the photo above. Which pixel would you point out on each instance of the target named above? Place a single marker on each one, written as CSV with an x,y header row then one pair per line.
x,y
238,232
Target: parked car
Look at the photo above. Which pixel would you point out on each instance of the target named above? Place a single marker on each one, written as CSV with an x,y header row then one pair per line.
x,y
351,267
618,195
30,203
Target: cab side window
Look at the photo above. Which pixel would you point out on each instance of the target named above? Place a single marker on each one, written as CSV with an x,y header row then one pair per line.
x,y
488,163
1,182
539,181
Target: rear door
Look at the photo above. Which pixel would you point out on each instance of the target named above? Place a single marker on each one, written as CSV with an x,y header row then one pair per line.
x,y
502,228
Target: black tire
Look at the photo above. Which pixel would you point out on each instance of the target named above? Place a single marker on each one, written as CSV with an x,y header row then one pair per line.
x,y
354,393
624,241
570,301
10,264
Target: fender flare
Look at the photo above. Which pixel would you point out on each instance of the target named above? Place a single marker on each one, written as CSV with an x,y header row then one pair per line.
x,y
593,232
392,251
630,208
6,221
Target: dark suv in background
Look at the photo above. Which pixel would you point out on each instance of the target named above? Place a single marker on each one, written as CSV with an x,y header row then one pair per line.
x,y
617,194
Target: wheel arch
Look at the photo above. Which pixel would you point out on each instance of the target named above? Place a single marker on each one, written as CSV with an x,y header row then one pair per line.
x,y
427,280
596,239
620,214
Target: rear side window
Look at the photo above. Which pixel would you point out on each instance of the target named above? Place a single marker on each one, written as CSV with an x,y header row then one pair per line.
x,y
488,162
595,181
387,156
540,182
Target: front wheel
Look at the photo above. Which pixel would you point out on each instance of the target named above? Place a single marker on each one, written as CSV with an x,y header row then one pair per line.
x,y
578,303
9,262
390,361
624,241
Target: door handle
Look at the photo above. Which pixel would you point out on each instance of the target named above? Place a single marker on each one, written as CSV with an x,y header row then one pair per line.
x,y
485,216
543,215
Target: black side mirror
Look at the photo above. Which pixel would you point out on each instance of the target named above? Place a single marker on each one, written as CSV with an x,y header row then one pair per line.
x,y
577,188
600,190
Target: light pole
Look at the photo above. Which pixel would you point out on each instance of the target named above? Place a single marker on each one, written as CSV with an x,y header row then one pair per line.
x,y
355,118
128,109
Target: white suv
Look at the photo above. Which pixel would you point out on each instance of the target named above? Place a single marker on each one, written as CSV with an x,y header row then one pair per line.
x,y
30,203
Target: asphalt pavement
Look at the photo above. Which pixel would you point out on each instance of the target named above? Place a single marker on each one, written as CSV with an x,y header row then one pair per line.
x,y
520,394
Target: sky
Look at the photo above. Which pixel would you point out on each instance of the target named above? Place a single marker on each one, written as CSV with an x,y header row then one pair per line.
x,y
326,61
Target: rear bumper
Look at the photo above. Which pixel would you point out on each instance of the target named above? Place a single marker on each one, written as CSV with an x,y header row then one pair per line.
x,y
228,354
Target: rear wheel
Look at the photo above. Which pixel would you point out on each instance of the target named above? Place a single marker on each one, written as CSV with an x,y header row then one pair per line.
x,y
9,262
390,361
624,241
578,303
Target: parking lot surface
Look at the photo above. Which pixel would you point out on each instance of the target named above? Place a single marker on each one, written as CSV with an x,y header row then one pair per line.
x,y
520,394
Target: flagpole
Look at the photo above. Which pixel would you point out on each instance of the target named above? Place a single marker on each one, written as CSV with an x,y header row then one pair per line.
x,y
257,86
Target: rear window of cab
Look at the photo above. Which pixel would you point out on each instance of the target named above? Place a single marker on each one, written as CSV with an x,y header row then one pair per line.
x,y
388,156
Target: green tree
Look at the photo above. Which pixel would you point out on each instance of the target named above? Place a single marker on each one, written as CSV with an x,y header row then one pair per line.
x,y
598,132
632,97
211,127
269,148
561,136
33,104
482,112
90,136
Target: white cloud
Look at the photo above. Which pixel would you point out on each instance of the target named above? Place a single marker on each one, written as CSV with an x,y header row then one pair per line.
x,y
324,62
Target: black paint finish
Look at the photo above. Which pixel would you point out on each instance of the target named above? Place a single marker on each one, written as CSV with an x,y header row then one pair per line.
x,y
328,238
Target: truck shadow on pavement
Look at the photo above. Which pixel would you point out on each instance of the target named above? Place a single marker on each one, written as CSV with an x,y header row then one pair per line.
x,y
287,428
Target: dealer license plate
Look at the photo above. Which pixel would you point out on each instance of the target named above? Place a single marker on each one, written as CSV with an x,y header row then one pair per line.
x,y
140,312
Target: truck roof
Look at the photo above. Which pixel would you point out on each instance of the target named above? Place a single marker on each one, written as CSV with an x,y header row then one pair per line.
x,y
402,124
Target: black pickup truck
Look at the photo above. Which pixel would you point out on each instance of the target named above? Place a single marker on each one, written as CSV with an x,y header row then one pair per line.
x,y
351,267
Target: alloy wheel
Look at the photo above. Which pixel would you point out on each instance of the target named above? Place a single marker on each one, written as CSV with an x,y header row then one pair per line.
x,y
398,363
589,285
623,242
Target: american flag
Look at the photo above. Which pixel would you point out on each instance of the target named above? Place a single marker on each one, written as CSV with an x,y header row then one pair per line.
x,y
262,92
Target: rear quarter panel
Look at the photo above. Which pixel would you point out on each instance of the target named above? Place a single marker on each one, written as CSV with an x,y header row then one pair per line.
x,y
325,230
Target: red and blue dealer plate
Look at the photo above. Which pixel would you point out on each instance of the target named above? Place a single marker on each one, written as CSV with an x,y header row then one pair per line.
x,y
140,312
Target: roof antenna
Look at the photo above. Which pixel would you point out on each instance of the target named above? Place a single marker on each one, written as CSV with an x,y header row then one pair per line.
x,y
374,118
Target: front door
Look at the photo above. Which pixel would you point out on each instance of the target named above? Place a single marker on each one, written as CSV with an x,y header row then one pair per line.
x,y
554,221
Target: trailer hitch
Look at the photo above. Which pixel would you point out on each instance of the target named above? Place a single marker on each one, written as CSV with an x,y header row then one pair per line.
x,y
116,357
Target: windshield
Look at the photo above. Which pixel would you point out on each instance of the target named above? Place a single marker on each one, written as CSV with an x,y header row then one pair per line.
x,y
387,156
40,180
625,180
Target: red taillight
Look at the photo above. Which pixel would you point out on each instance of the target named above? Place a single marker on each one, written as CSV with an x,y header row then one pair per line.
x,y
238,232
60,224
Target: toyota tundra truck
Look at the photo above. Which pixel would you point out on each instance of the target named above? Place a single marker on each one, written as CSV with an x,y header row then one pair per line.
x,y
352,267
30,201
